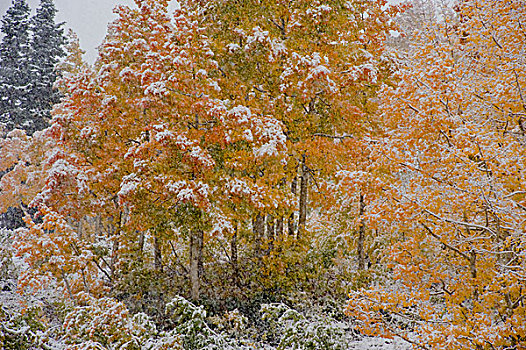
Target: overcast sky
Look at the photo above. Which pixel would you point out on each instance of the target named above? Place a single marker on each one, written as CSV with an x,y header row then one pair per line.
x,y
88,18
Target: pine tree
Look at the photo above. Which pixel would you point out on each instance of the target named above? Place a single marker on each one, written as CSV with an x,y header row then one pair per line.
x,y
46,49
14,78
14,50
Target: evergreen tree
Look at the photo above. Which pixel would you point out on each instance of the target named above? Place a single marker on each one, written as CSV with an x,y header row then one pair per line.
x,y
27,75
46,50
14,77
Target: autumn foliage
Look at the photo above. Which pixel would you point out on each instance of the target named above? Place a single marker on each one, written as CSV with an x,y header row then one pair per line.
x,y
454,207
242,153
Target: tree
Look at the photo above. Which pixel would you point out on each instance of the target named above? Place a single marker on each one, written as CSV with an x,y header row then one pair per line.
x,y
152,98
418,17
22,179
27,75
455,202
315,67
29,52
175,149
73,62
47,43
14,66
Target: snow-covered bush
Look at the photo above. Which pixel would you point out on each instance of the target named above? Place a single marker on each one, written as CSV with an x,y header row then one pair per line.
x,y
107,324
233,323
20,332
190,323
6,254
297,331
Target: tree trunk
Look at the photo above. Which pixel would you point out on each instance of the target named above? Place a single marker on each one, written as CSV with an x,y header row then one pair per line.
x,y
196,254
361,236
279,228
115,249
293,186
473,270
233,255
258,227
114,257
200,262
304,187
472,261
140,252
270,232
158,258
98,225
80,229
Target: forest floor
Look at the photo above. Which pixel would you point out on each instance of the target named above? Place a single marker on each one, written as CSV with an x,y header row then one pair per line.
x,y
11,301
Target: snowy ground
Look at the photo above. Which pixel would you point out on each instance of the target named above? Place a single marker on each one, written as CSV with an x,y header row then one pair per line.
x,y
380,344
10,301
